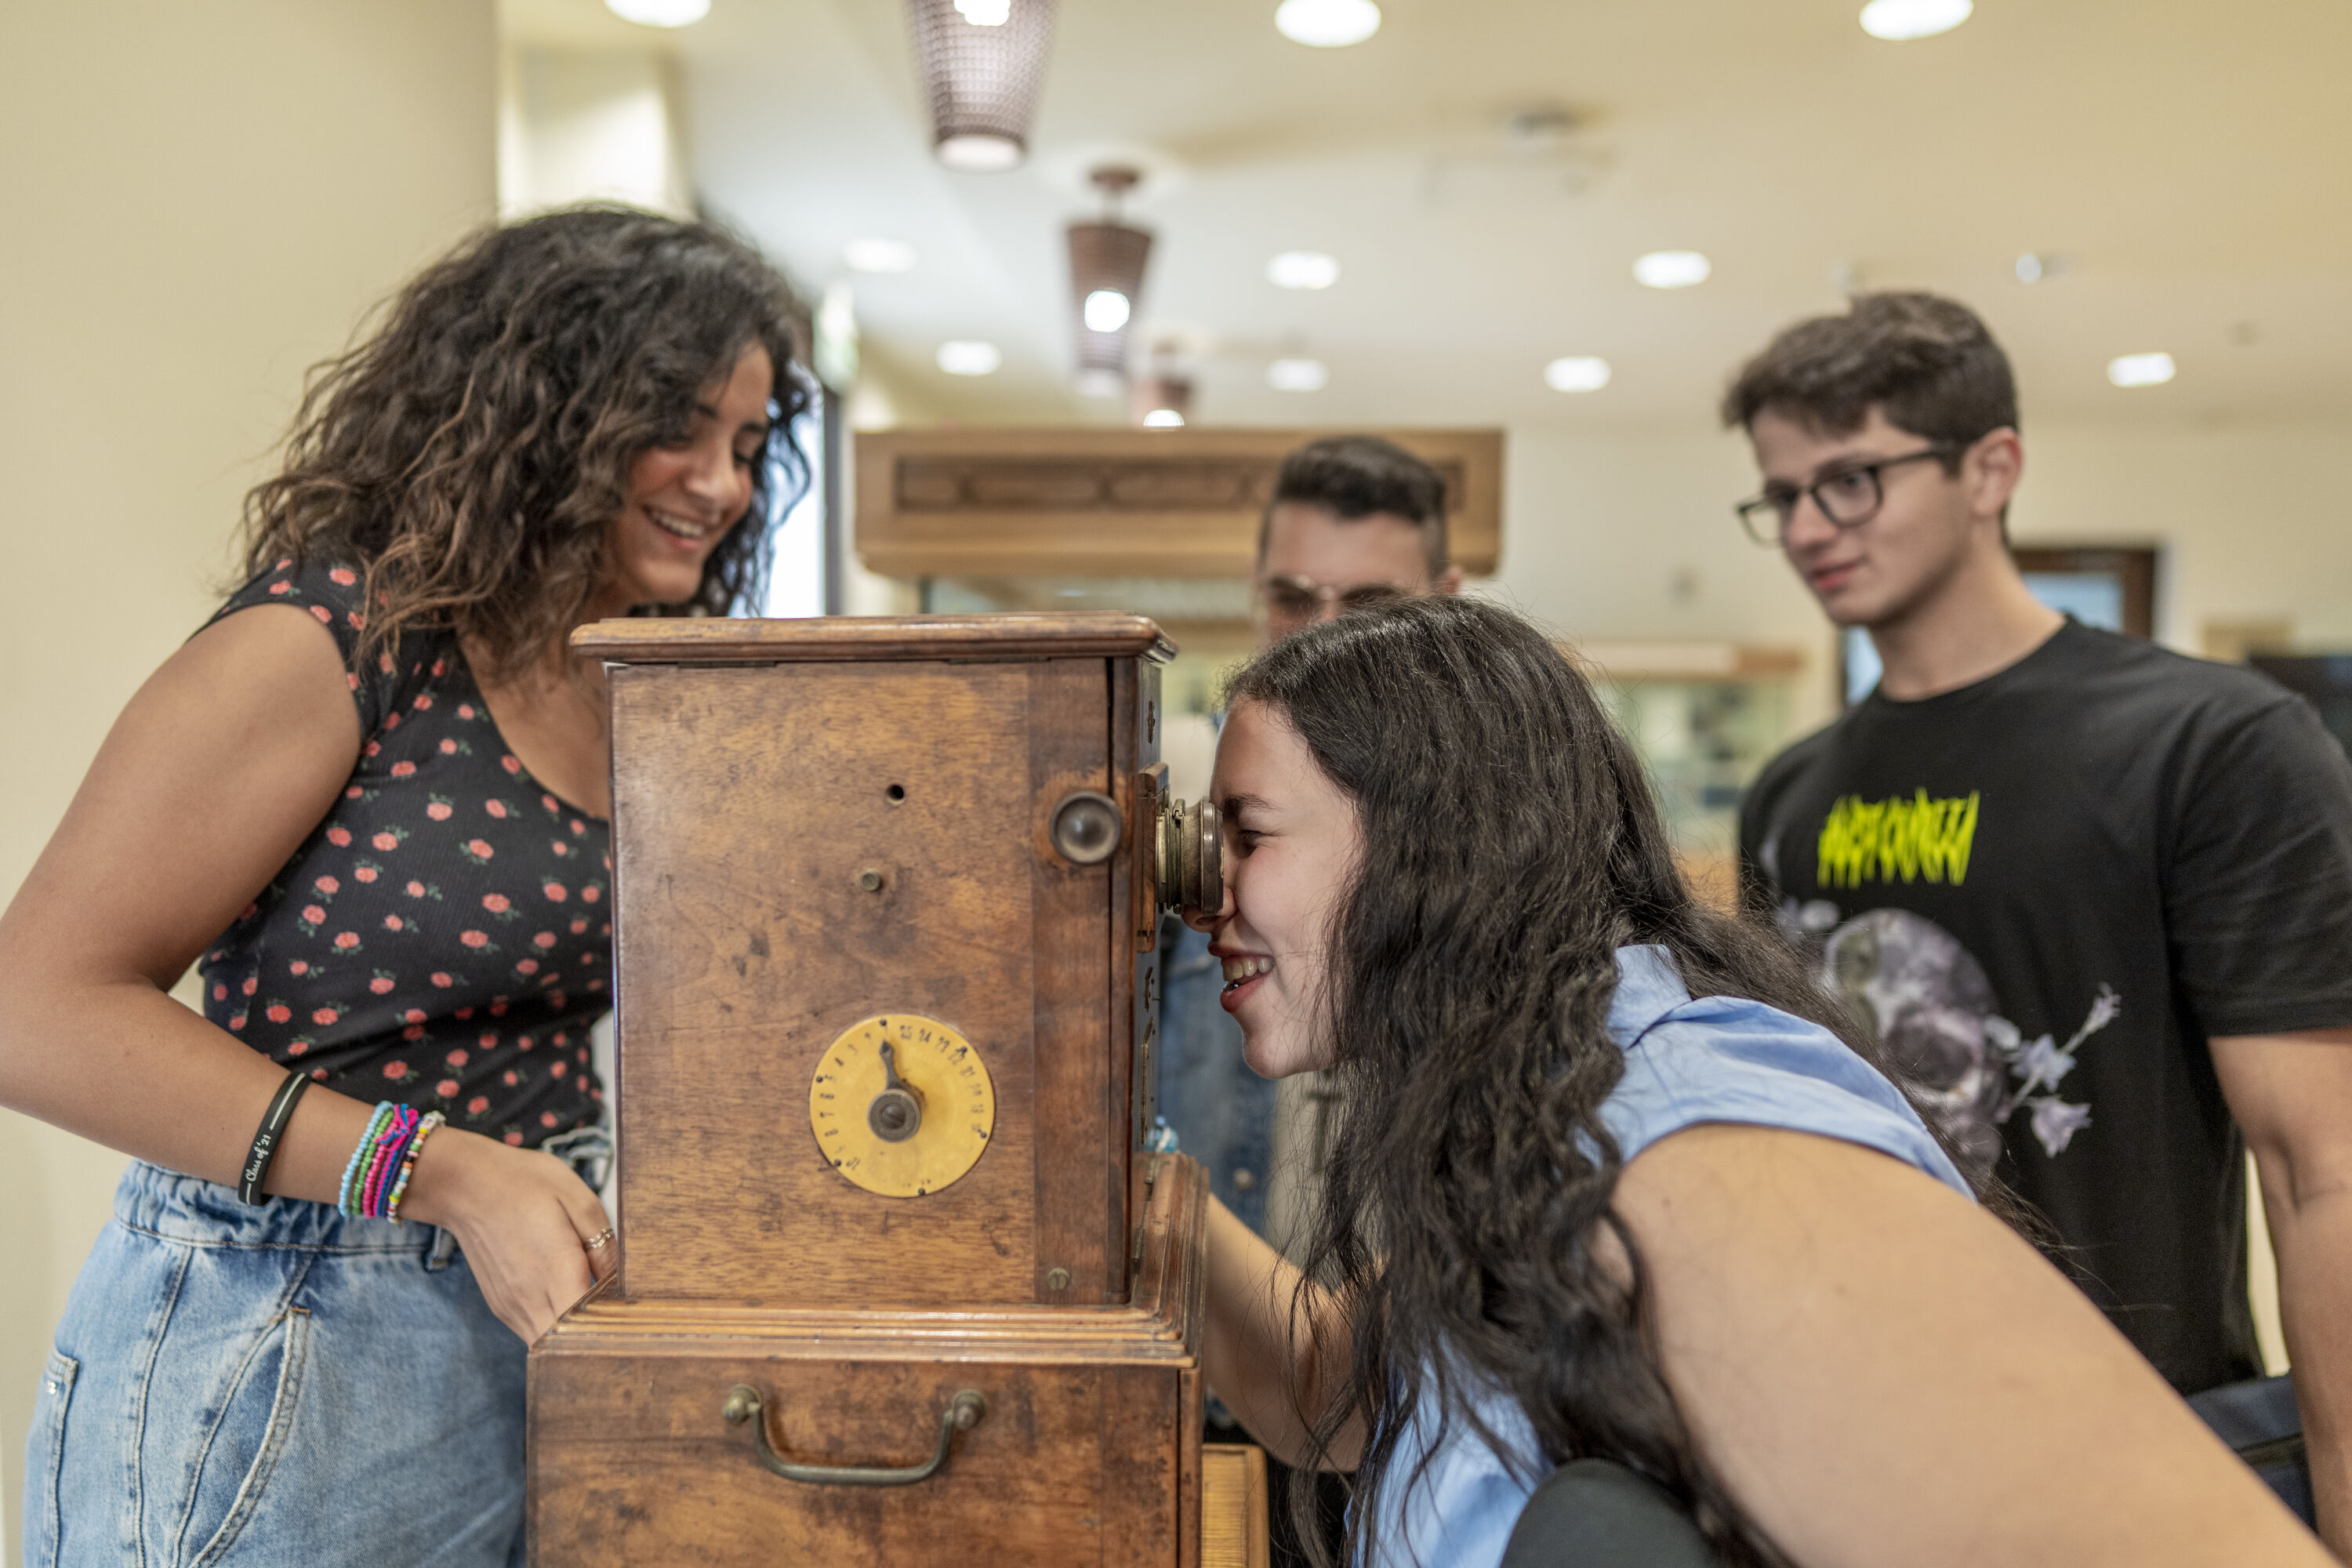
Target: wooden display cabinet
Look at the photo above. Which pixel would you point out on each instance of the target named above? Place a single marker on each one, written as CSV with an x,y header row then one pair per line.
x,y
899,1282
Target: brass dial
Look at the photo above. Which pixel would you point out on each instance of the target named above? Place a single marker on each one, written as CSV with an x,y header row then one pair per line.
x,y
901,1105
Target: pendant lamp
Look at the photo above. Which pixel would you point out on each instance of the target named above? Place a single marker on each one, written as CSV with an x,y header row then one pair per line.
x,y
982,63
1107,264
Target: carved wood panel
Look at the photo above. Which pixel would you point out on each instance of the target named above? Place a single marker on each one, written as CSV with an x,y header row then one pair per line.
x,y
1100,501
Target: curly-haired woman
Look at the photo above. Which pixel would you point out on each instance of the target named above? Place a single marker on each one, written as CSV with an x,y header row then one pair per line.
x,y
368,801
1616,1183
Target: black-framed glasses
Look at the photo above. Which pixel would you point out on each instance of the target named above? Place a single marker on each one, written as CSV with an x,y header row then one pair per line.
x,y
1290,601
1848,498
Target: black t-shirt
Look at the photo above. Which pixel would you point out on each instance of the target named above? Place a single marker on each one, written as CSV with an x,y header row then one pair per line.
x,y
2048,890
444,937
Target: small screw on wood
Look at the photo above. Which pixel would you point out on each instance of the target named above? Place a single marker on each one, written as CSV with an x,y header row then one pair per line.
x,y
1057,1280
870,880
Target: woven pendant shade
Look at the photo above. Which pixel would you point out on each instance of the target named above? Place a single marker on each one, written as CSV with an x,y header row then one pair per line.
x,y
1106,256
982,63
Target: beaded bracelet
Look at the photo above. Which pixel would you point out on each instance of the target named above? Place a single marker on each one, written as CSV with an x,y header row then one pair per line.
x,y
376,1160
408,1163
347,1197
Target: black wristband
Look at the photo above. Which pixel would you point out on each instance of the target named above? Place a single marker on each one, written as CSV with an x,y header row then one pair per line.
x,y
266,1136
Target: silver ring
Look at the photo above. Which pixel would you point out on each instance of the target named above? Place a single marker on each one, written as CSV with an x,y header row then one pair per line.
x,y
602,1238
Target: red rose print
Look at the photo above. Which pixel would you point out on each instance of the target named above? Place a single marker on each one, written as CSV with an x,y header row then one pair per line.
x,y
457,1057
339,838
448,1088
448,746
495,903
514,1139
555,890
347,939
250,985
524,1042
498,1007
382,985
578,825
296,1047
319,1074
562,1039
489,1040
373,749
440,809
580,928
220,993
342,577
352,680
476,1105
474,938
299,967
424,699
591,894
325,619
544,939
395,1070
464,710
415,889
384,662
559,1069
510,1079
561,847
391,923
359,621
511,762
277,1012
328,886
401,770
414,1032
413,1015
442,979
527,966
354,792
323,1015
363,873
495,808
479,849
440,666
555,999
237,1021
546,1119
391,720
549,802
313,915
389,840
282,587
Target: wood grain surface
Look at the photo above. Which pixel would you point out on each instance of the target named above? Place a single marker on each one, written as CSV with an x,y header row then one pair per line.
x,y
1232,1506
872,639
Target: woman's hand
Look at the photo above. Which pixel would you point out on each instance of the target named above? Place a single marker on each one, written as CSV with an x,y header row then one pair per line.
x,y
523,1219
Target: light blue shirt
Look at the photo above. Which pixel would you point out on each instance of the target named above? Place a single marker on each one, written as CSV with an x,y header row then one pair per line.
x,y
1717,1059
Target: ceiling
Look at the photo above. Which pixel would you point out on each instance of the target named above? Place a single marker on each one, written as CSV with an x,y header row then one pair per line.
x,y
2190,163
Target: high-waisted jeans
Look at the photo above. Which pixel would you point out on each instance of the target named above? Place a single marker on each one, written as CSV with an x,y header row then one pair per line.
x,y
280,1385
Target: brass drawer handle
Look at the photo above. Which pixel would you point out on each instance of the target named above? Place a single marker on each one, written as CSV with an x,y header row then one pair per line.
x,y
962,1413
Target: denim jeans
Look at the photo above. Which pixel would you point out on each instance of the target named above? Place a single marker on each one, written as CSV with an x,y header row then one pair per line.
x,y
280,1385
1222,1110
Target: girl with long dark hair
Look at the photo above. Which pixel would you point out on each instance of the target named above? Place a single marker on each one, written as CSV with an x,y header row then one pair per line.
x,y
368,801
1614,1179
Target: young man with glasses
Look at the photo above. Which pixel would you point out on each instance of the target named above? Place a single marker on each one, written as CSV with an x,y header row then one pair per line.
x,y
2097,896
1354,520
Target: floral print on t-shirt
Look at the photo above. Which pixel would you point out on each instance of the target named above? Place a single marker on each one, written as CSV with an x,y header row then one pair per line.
x,y
444,938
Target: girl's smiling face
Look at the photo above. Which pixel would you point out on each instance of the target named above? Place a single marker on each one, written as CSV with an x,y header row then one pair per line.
x,y
1291,841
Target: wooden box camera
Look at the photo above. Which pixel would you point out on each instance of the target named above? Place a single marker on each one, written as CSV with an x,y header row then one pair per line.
x,y
900,1282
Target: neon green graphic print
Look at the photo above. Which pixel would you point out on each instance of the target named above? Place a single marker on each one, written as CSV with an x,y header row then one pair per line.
x,y
1879,841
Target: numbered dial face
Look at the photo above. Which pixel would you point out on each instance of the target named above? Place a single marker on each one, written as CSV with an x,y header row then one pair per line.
x,y
901,1105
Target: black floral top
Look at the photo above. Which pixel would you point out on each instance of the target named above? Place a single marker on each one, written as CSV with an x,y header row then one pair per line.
x,y
444,938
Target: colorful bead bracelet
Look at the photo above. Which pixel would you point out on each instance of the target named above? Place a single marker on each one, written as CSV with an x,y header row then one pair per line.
x,y
377,1177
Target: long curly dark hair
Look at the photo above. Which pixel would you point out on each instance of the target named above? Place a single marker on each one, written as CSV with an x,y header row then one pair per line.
x,y
473,451
1510,847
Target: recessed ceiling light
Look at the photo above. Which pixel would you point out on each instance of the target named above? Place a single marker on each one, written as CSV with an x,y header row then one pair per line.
x,y
986,13
1898,21
874,254
2140,370
1327,23
977,152
1671,269
660,13
1163,419
965,357
1576,373
1303,270
1297,376
1107,310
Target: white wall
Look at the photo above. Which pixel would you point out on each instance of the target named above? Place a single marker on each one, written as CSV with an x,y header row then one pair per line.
x,y
200,201
1629,534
